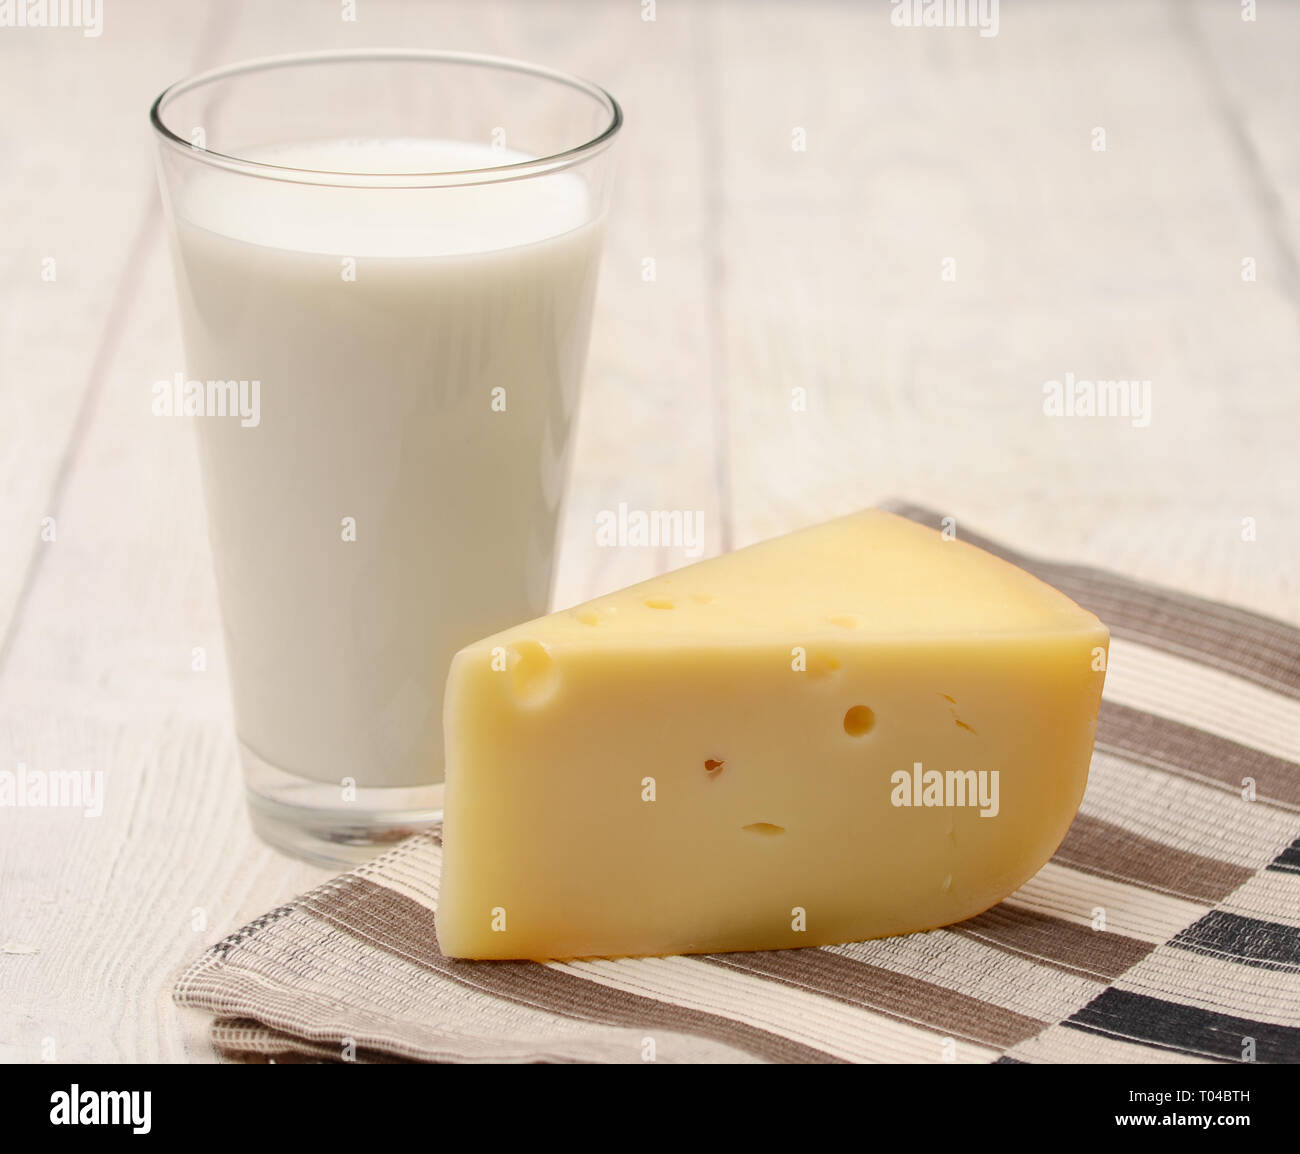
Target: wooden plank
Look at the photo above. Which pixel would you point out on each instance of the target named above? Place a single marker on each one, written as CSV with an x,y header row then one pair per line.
x,y
1250,70
1115,264
77,201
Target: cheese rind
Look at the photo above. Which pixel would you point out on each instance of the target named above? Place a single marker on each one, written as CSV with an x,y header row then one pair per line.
x,y
742,754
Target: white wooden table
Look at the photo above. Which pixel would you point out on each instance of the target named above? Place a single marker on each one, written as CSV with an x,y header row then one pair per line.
x,y
776,267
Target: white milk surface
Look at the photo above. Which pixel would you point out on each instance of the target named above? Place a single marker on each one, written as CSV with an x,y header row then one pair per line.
x,y
377,404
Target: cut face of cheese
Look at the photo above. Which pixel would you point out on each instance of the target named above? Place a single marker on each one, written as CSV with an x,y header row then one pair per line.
x,y
856,730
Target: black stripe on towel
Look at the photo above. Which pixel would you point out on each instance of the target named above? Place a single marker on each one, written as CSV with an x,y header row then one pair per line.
x,y
1237,938
1187,1029
1288,861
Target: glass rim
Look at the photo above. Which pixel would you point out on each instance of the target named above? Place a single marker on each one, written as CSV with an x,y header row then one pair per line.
x,y
518,170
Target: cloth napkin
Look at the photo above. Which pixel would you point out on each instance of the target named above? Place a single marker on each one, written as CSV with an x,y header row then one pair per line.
x,y
1165,929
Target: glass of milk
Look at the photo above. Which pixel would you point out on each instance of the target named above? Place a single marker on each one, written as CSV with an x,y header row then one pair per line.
x,y
385,265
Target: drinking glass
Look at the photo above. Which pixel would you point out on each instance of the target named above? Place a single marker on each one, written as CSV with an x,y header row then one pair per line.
x,y
385,266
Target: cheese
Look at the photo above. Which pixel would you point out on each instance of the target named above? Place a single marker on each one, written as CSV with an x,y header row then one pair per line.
x,y
855,730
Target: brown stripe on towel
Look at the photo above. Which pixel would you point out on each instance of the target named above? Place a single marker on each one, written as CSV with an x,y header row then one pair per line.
x,y
1167,745
1102,956
249,1041
391,921
886,992
1106,850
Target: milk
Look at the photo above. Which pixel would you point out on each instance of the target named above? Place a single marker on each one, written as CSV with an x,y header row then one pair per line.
x,y
419,353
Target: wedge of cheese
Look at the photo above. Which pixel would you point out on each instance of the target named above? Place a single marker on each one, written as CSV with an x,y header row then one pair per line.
x,y
856,730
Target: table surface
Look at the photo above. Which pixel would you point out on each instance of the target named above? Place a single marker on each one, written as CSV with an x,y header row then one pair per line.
x,y
776,267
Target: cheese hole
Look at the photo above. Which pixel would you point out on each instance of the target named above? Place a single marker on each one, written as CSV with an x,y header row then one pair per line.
x,y
589,617
703,598
532,671
859,720
763,827
660,603
844,620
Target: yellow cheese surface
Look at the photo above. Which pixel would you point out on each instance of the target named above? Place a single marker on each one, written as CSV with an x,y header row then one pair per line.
x,y
790,745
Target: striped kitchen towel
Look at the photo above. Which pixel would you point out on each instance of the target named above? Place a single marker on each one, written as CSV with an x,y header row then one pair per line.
x,y
1165,929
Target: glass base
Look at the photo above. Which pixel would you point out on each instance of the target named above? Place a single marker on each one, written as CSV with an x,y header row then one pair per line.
x,y
312,820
